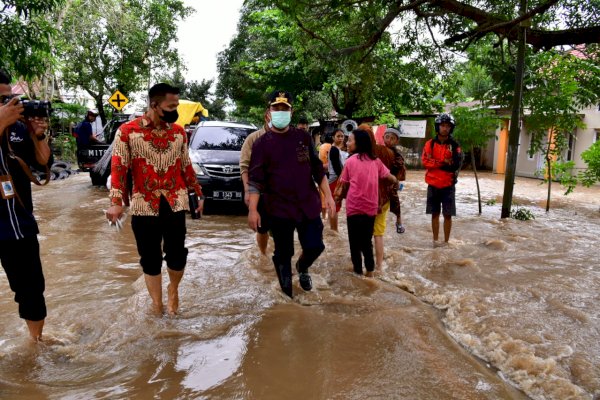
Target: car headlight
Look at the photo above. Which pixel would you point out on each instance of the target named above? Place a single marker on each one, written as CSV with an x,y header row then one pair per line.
x,y
198,169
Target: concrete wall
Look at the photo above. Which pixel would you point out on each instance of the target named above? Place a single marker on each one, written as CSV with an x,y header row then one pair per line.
x,y
529,166
586,137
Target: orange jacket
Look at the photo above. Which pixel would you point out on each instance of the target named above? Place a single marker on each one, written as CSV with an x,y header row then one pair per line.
x,y
440,173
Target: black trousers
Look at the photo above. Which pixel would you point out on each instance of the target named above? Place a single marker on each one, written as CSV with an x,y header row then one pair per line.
x,y
310,234
150,233
21,262
360,235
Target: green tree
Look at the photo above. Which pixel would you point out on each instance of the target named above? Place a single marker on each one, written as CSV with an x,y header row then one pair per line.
x,y
560,86
25,36
270,52
592,158
64,117
537,25
261,58
199,92
131,40
461,23
474,128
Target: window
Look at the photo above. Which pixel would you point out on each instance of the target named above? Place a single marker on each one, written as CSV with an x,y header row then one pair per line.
x,y
597,138
219,138
571,148
530,152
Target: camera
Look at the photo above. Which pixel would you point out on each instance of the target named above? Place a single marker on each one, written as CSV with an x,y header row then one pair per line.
x,y
34,108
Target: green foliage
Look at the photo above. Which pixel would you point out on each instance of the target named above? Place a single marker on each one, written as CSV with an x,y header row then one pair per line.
x,y
477,83
25,36
130,39
388,119
469,81
64,117
491,202
522,214
67,146
316,106
561,86
271,51
461,23
252,115
474,126
199,92
65,114
562,171
591,157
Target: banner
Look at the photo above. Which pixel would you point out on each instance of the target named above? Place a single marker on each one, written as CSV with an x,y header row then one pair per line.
x,y
413,129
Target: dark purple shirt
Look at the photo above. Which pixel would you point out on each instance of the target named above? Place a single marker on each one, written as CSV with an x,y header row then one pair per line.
x,y
285,169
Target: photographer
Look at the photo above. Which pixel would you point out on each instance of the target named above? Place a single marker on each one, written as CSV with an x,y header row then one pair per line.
x,y
22,144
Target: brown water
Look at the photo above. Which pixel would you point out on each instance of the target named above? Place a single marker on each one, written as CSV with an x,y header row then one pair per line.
x,y
508,305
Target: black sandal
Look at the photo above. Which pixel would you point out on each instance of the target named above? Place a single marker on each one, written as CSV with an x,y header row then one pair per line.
x,y
400,228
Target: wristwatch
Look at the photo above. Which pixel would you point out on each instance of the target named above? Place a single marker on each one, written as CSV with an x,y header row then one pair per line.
x,y
40,138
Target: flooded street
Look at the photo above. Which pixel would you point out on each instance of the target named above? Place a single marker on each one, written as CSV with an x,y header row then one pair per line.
x,y
509,310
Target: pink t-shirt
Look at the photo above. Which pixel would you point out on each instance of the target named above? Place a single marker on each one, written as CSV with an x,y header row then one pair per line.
x,y
363,175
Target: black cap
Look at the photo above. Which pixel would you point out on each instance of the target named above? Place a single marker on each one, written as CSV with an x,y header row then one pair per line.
x,y
280,97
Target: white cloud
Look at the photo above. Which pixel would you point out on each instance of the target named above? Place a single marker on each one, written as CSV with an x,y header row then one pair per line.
x,y
206,33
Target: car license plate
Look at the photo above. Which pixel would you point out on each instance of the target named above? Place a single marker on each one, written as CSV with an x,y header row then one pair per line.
x,y
226,195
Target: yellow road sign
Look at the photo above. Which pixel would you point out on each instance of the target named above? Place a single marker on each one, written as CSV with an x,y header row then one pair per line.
x,y
118,100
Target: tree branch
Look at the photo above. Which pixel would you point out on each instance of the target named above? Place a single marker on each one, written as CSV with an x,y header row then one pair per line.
x,y
433,38
538,10
395,10
314,35
548,39
535,37
383,25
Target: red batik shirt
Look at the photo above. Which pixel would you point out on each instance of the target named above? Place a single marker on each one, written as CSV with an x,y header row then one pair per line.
x,y
160,165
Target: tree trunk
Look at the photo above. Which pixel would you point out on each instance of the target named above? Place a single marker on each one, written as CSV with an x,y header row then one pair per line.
x,y
515,131
549,167
474,166
100,107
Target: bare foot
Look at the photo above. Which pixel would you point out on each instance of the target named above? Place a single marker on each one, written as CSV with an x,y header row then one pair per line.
x,y
369,274
157,309
48,341
173,300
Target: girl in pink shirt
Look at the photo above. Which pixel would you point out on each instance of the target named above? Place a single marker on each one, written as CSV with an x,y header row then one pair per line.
x,y
359,184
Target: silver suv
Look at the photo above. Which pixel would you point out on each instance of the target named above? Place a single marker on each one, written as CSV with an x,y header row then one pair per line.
x,y
215,153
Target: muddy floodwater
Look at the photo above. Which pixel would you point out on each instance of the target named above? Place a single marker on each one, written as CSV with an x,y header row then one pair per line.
x,y
510,310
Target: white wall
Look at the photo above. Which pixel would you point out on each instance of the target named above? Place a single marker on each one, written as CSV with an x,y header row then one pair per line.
x,y
585,137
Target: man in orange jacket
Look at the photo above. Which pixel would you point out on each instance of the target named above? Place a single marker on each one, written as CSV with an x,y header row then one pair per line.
x,y
442,158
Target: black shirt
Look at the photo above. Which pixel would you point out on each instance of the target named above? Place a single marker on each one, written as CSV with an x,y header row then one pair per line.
x,y
16,219
286,169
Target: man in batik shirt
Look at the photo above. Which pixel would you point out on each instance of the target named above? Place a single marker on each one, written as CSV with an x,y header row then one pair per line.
x,y
155,150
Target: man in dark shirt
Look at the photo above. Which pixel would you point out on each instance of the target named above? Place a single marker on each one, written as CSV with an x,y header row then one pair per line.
x,y
19,248
84,132
285,170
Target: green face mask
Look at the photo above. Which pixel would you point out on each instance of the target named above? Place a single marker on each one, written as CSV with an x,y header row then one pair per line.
x,y
281,119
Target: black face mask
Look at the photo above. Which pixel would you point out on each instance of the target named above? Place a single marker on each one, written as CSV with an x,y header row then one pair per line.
x,y
169,116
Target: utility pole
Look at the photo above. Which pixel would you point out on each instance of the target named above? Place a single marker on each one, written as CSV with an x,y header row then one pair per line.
x,y
515,126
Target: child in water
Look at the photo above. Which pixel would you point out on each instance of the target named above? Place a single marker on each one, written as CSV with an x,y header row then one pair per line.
x,y
359,184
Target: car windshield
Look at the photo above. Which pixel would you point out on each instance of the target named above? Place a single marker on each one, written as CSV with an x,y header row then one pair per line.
x,y
219,138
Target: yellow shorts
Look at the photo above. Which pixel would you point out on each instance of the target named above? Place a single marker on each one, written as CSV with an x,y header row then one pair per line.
x,y
380,220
